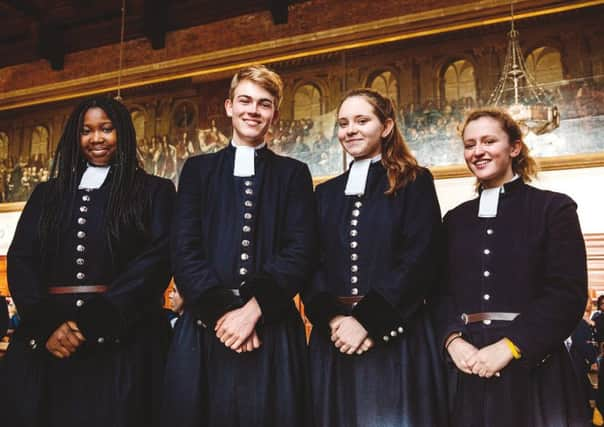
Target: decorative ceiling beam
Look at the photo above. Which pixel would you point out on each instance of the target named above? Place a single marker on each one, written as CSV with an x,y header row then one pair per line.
x,y
279,10
155,23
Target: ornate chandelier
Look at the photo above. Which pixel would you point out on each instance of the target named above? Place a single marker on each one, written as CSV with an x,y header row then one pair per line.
x,y
518,92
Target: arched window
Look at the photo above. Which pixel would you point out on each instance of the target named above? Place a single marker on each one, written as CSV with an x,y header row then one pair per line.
x,y
307,102
545,65
3,146
138,120
39,141
386,84
459,81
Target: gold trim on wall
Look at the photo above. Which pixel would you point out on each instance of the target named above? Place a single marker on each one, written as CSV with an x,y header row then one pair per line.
x,y
421,24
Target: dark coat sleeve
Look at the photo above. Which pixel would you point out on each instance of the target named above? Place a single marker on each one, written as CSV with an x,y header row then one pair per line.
x,y
194,275
555,313
138,288
320,304
39,315
285,273
397,296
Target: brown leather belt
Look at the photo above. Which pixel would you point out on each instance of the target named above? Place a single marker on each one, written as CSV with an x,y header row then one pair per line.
x,y
90,289
350,301
479,317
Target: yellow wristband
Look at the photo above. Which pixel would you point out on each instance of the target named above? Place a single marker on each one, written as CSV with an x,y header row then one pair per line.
x,y
515,350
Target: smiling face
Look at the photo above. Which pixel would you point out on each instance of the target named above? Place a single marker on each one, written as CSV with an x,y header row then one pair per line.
x,y
252,111
98,137
488,151
360,131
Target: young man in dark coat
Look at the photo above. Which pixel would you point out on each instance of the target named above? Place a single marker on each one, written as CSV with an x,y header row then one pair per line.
x,y
243,245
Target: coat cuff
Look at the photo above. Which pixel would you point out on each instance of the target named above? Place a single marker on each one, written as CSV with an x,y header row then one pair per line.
x,y
322,308
99,320
382,321
39,321
214,303
272,298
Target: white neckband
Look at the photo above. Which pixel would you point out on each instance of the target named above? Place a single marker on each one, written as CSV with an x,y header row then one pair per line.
x,y
357,176
244,159
93,177
489,200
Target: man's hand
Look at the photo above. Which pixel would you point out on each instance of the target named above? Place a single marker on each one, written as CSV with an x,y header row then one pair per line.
x,y
347,334
65,340
236,326
252,343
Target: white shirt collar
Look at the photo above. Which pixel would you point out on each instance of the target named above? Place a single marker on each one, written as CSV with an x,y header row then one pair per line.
x,y
489,200
244,159
357,177
93,177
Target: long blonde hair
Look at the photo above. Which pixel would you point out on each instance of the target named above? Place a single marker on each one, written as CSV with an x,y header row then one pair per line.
x,y
400,164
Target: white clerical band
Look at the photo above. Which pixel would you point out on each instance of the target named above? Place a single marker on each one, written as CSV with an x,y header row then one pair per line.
x,y
93,177
489,200
357,177
244,159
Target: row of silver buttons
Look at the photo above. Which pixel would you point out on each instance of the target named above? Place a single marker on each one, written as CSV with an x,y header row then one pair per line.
x,y
248,216
354,246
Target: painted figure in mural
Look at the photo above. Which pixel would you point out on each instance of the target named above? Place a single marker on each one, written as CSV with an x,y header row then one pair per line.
x,y
516,284
243,245
87,268
373,352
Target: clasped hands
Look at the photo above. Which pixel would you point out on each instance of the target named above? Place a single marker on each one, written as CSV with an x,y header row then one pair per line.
x,y
65,340
485,362
349,336
236,329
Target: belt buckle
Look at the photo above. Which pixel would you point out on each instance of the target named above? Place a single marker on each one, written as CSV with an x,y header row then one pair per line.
x,y
464,318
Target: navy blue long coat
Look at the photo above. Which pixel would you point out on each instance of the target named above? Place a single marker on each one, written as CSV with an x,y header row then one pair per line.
x,y
3,317
529,259
114,378
256,237
384,249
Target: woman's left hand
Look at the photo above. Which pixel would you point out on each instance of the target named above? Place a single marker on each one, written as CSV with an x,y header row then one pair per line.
x,y
490,360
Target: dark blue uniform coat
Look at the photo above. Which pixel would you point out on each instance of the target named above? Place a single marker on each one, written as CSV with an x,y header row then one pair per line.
x,y
113,379
384,249
254,236
529,259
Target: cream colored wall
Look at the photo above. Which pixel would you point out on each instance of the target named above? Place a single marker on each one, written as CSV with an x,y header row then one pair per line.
x,y
585,186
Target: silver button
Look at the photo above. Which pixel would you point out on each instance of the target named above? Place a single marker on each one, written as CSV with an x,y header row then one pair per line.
x,y
199,322
489,231
486,252
85,198
249,191
100,340
354,244
386,338
354,279
353,233
80,275
33,344
247,228
358,204
354,222
245,256
354,268
248,183
486,297
79,303
247,215
83,209
487,322
80,248
248,203
243,271
81,234
81,221
245,243
356,213
393,333
486,273
80,261
354,291
354,257
400,329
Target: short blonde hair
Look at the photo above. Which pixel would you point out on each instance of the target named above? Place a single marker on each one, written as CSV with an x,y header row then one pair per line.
x,y
263,77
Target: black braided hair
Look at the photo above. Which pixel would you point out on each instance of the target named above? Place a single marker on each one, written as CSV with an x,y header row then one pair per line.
x,y
127,209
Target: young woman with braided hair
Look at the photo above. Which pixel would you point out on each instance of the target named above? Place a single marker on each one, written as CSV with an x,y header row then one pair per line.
x,y
373,355
87,268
